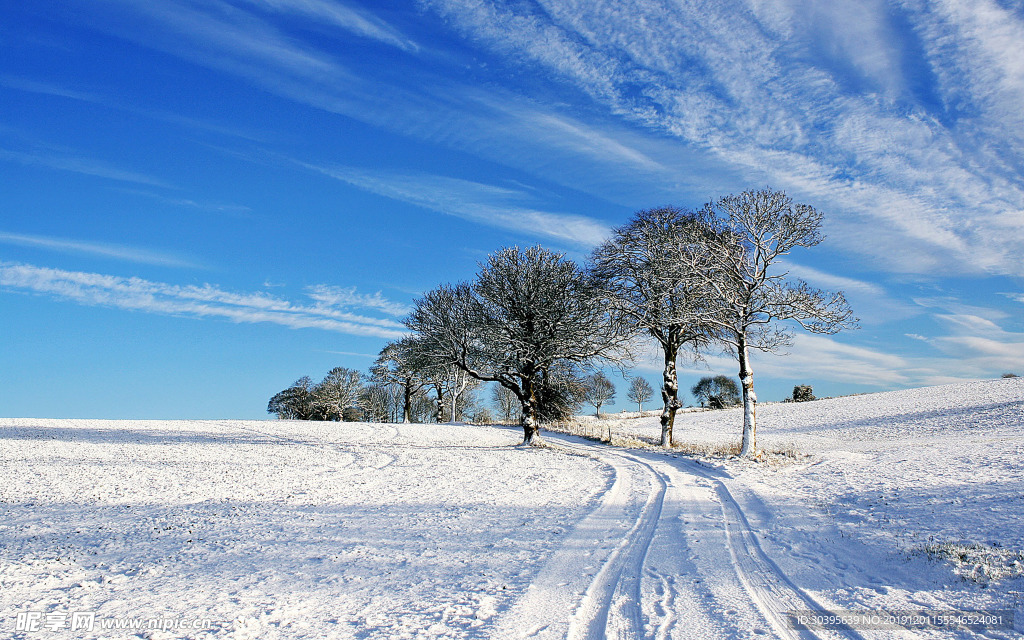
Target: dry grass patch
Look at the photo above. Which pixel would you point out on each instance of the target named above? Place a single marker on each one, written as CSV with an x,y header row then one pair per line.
x,y
977,562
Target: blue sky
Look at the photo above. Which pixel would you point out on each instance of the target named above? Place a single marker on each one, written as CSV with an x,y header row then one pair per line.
x,y
202,201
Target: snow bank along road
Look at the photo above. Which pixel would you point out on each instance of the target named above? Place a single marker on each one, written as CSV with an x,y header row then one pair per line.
x,y
311,530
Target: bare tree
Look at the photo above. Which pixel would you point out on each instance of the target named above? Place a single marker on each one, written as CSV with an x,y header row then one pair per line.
x,y
339,390
718,392
295,402
423,408
647,270
505,401
560,392
402,363
598,390
526,311
460,390
640,391
751,232
450,385
381,401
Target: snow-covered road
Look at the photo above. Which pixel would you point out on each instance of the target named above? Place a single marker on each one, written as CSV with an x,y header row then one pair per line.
x,y
668,553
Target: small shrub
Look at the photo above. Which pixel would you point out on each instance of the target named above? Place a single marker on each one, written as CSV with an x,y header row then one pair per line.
x,y
803,393
1010,375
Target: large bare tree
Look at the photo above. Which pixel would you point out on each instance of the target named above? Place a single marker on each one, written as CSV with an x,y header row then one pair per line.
x,y
648,272
750,232
526,312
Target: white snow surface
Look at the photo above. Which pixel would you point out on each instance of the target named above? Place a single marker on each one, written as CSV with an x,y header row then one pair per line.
x,y
281,529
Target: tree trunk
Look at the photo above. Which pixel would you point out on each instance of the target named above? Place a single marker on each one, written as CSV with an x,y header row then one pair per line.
x,y
459,383
749,447
455,398
531,426
439,414
669,395
407,410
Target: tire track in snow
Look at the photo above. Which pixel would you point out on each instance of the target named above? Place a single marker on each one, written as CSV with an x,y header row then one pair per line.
x,y
572,594
614,602
772,591
619,580
360,458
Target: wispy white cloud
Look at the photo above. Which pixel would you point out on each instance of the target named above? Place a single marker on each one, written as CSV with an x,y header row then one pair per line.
x,y
117,252
49,89
803,95
224,37
560,131
980,344
330,296
806,96
132,106
820,278
974,342
607,159
954,306
870,301
829,358
486,204
203,301
348,18
973,47
85,166
202,205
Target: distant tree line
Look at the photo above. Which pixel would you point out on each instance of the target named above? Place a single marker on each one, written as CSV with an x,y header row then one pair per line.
x,y
391,392
534,322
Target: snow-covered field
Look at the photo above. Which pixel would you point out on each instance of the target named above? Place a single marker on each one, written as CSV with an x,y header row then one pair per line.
x,y
908,501
279,529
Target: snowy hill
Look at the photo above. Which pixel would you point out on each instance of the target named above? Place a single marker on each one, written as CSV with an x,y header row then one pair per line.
x,y
936,463
909,500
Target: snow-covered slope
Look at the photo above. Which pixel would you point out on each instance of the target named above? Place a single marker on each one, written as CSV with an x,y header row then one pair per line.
x,y
310,530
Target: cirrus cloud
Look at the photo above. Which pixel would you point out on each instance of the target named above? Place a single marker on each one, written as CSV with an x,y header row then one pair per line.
x,y
205,301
